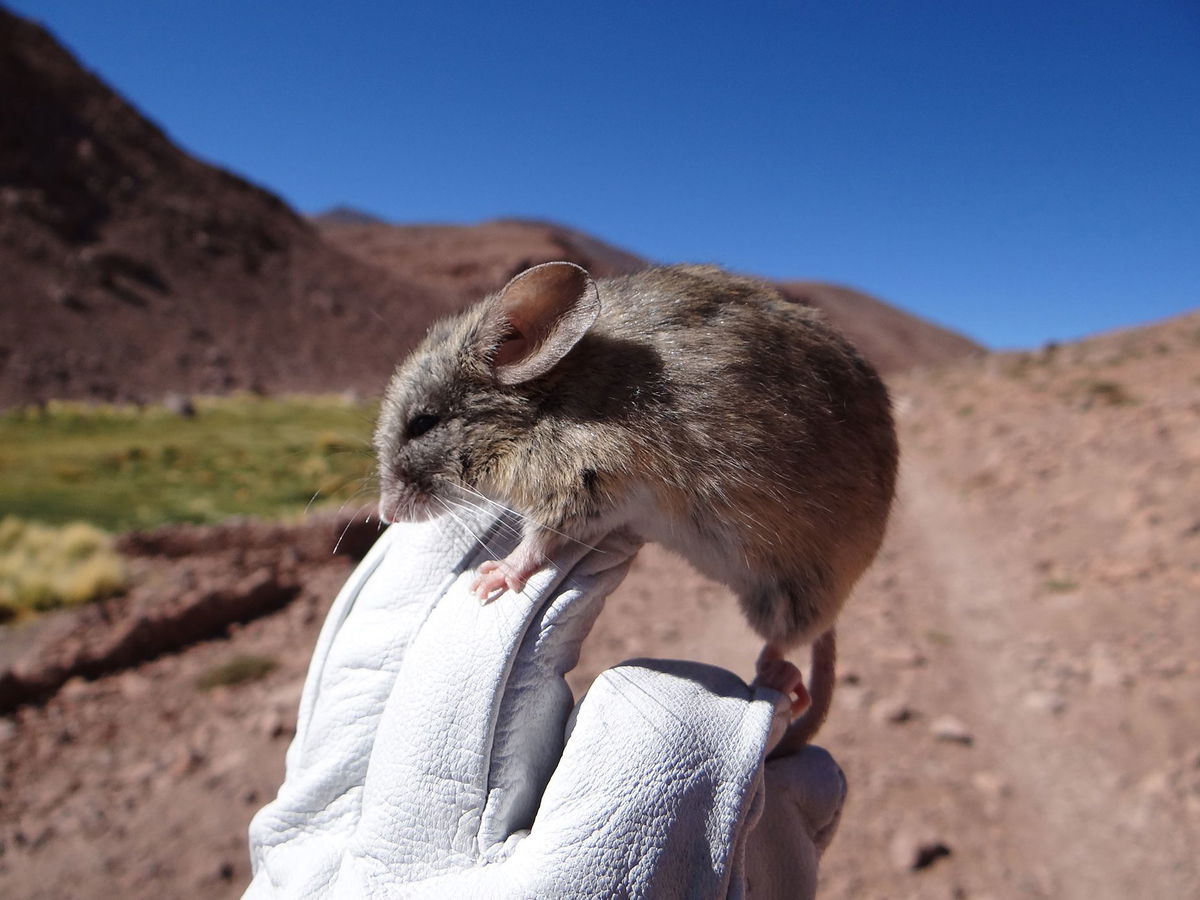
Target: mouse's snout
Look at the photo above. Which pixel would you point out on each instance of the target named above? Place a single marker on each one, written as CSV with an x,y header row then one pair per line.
x,y
403,502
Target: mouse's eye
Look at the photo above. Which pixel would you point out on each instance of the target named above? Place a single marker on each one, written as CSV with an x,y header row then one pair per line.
x,y
421,424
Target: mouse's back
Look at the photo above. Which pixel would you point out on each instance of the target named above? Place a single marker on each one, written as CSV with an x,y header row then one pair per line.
x,y
753,438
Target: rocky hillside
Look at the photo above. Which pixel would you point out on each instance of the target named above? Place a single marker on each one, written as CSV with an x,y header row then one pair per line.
x,y
132,270
468,261
891,338
465,262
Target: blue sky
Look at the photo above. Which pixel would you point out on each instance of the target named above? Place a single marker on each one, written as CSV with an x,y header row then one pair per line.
x,y
1021,171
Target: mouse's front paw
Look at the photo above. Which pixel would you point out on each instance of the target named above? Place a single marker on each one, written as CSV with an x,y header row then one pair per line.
x,y
494,578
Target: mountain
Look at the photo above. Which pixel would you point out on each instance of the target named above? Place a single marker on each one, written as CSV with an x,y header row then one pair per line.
x,y
132,270
891,338
464,262
346,215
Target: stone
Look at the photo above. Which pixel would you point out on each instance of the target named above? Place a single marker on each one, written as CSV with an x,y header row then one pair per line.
x,y
911,851
1103,670
951,730
1046,701
893,711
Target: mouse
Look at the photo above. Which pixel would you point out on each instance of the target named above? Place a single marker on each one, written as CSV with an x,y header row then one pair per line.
x,y
692,406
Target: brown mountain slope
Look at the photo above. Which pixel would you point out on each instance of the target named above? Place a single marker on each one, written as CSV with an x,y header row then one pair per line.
x,y
892,339
466,262
132,269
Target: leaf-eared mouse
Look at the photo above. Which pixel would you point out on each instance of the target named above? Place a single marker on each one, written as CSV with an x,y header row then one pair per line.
x,y
694,407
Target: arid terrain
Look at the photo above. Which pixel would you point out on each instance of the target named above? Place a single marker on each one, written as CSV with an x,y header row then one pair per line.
x,y
1018,710
1019,702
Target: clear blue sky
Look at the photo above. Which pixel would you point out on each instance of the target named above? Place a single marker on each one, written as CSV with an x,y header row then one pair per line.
x,y
1020,171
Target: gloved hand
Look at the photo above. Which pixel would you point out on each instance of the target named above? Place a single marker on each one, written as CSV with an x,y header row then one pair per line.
x,y
438,752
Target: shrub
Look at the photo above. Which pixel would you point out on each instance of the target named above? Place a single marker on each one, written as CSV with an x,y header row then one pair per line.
x,y
1108,393
44,567
239,670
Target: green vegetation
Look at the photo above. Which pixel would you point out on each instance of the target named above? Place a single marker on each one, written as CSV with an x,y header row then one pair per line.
x,y
239,670
1061,585
130,467
1106,393
43,567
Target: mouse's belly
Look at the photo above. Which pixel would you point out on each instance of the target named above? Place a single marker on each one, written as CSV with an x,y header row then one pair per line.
x,y
788,591
712,545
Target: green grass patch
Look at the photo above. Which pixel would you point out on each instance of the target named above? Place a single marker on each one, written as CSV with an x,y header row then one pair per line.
x,y
1061,585
43,567
239,670
137,467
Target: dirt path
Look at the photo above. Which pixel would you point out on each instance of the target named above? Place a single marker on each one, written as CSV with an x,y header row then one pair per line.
x,y
974,596
937,806
1089,828
1041,585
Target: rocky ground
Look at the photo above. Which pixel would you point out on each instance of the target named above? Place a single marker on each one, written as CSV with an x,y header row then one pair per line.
x,y
1019,702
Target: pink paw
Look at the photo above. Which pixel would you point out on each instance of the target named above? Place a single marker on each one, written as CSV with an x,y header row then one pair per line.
x,y
777,673
494,578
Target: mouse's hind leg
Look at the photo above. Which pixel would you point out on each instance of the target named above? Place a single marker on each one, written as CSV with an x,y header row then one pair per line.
x,y
793,609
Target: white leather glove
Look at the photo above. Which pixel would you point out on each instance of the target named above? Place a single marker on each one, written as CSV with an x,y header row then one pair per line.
x,y
438,754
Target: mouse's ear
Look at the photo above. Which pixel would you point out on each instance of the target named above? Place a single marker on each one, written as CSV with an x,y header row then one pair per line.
x,y
547,308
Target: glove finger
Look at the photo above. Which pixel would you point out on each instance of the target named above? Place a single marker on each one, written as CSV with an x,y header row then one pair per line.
x,y
810,787
805,792
658,783
299,837
439,751
537,701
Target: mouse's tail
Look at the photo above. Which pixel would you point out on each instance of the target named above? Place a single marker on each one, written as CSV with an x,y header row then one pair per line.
x,y
820,689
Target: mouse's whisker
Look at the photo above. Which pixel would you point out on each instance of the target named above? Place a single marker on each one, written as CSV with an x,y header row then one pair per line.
x,y
341,536
483,505
342,508
574,540
465,506
525,518
488,502
462,525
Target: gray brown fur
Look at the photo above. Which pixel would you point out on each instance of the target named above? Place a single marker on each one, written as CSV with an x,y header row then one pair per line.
x,y
723,421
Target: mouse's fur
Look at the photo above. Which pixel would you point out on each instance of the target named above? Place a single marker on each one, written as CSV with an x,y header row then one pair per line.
x,y
697,407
